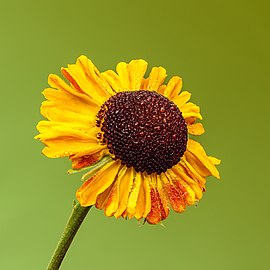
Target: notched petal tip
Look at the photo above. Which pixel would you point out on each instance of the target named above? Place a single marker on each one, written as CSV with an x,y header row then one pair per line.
x,y
196,129
215,161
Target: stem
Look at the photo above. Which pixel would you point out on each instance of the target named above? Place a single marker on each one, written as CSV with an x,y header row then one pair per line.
x,y
75,220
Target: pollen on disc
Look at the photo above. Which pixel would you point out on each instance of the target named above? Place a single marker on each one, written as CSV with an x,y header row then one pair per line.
x,y
143,129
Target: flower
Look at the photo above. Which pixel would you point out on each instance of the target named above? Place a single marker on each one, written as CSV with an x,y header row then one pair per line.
x,y
132,134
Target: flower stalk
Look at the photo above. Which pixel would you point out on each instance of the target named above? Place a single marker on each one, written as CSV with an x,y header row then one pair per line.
x,y
75,220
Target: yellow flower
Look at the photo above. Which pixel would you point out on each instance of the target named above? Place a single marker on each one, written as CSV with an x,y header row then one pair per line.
x,y
132,134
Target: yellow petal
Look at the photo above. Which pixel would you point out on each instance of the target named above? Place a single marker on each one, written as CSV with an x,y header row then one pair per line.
x,y
86,161
155,79
56,82
196,129
161,89
93,76
85,77
102,198
214,160
126,176
180,173
62,140
88,192
185,191
123,73
53,130
155,216
113,80
182,99
173,88
129,75
133,197
192,172
196,164
163,198
141,202
173,193
61,106
113,199
190,110
147,202
57,113
137,69
159,205
199,159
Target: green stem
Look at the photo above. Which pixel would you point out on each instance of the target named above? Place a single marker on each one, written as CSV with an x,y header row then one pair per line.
x,y
75,220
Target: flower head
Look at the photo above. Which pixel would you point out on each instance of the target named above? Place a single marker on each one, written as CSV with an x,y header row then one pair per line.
x,y
132,134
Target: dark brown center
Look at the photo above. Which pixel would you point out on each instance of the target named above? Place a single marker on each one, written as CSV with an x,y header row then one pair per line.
x,y
144,130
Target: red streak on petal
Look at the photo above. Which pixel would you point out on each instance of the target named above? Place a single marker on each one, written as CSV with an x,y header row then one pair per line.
x,y
102,198
80,191
72,80
190,120
157,212
111,196
175,197
163,213
84,161
154,215
124,214
181,189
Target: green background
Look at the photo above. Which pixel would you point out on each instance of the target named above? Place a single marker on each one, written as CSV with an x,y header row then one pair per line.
x,y
221,50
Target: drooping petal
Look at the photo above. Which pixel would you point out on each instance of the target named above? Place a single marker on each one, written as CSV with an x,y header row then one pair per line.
x,y
192,172
102,198
143,204
113,199
197,157
181,174
154,216
133,196
173,193
103,179
159,204
163,198
119,193
125,177
186,192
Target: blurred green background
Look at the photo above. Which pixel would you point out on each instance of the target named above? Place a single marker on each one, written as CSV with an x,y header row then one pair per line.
x,y
221,49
